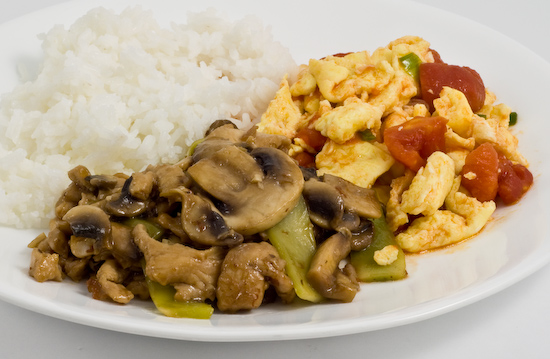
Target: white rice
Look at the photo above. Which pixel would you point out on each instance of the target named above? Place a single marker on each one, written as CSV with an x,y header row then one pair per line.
x,y
116,92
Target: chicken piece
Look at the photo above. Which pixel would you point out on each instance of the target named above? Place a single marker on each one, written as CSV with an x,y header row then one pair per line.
x,y
110,276
430,186
464,217
247,272
192,272
341,123
359,162
282,116
45,266
453,105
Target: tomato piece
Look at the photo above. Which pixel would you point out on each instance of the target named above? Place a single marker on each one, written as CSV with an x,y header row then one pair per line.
x,y
514,180
305,159
412,142
435,54
433,76
480,172
312,138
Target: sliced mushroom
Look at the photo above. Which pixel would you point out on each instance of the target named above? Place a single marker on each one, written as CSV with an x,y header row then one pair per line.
x,y
325,274
204,225
253,191
192,272
325,204
357,199
217,124
362,236
123,204
247,272
88,221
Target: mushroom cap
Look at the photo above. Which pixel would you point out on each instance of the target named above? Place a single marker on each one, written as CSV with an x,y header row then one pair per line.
x,y
252,190
88,221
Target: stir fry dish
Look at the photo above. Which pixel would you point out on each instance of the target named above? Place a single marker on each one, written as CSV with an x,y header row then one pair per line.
x,y
360,160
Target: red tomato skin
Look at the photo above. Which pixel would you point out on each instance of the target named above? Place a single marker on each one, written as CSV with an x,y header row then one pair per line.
x,y
434,76
312,138
483,162
305,159
412,142
514,181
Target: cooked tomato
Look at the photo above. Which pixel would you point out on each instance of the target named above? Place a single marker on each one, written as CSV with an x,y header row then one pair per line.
x,y
312,138
480,172
433,76
435,54
513,181
414,141
305,159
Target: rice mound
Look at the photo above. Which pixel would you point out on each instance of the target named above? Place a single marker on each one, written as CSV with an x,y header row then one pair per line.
x,y
116,92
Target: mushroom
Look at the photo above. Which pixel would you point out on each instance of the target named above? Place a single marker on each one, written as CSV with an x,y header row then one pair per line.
x,y
88,221
362,236
253,191
192,272
325,204
203,224
357,199
325,274
123,204
247,272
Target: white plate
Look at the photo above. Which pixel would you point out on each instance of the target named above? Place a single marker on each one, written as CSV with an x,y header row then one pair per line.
x,y
514,245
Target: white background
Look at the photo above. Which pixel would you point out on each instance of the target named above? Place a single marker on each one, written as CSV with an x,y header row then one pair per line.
x,y
511,324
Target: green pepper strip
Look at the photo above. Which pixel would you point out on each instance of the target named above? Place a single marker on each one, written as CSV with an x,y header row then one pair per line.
x,y
294,240
367,135
163,298
153,230
411,64
363,261
513,119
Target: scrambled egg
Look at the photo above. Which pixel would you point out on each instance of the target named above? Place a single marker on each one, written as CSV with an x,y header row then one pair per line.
x,y
430,186
344,96
359,162
463,217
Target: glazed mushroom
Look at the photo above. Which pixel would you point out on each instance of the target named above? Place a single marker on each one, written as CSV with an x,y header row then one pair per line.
x,y
253,191
325,204
324,273
203,224
88,221
357,199
247,271
123,204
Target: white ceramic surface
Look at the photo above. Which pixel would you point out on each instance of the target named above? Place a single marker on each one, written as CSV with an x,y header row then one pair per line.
x,y
513,246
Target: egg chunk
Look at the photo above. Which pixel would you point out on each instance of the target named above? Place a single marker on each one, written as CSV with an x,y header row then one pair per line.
x,y
463,217
430,186
359,162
